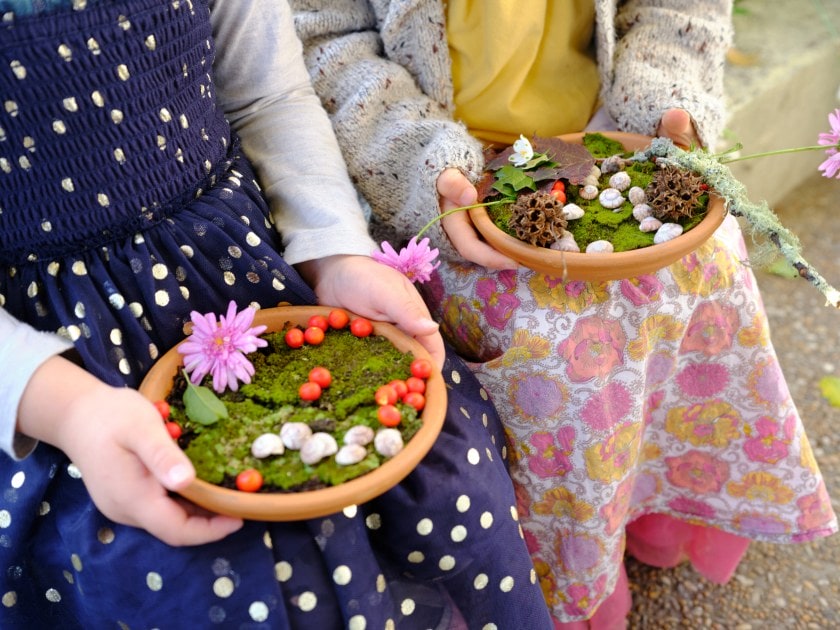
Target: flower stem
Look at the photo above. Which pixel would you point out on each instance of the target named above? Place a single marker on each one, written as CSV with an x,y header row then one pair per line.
x,y
454,210
814,147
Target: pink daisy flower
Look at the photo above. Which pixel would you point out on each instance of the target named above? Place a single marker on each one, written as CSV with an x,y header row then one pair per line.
x,y
831,166
219,348
414,260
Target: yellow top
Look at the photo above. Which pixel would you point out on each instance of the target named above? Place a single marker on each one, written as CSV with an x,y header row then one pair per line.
x,y
522,66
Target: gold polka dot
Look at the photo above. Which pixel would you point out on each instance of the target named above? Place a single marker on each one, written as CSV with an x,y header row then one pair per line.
x,y
29,143
65,52
473,457
5,519
506,585
283,571
24,162
79,309
116,300
154,581
161,142
76,561
342,575
117,116
9,599
160,271
389,624
276,284
488,453
124,22
229,278
44,508
179,155
407,606
458,533
46,226
79,268
32,290
5,166
70,104
68,185
164,115
161,298
97,98
307,601
53,595
373,521
486,520
481,580
446,563
223,587
18,69
462,504
153,351
252,239
489,626
513,513
68,576
234,252
136,309
416,557
381,584
123,73
11,108
93,46
258,611
185,124
185,293
103,200
356,622
151,42
18,479
119,155
533,576
105,535
124,366
350,511
455,376
425,526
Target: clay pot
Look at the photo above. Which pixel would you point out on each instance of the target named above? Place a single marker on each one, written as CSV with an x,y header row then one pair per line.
x,y
596,267
266,506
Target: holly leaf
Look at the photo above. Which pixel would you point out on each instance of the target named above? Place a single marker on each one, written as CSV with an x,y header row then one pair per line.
x,y
202,405
510,180
830,389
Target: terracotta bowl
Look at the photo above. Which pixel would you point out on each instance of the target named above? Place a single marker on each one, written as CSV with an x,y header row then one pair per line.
x,y
291,506
601,267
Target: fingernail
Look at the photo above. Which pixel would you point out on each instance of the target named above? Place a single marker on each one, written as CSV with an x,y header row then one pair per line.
x,y
179,473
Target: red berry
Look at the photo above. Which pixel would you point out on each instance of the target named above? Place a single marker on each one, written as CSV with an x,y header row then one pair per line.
x,y
421,368
415,384
318,321
321,376
385,395
163,409
400,386
559,191
249,480
309,391
558,185
294,338
174,429
314,335
415,399
338,318
389,415
361,327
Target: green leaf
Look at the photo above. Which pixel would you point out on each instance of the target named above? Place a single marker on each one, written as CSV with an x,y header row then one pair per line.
x,y
202,405
511,178
830,388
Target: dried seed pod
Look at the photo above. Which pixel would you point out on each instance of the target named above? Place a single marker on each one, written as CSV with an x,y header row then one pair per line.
x,y
294,434
359,434
537,218
599,247
350,454
589,192
266,445
667,232
611,198
620,180
675,193
388,442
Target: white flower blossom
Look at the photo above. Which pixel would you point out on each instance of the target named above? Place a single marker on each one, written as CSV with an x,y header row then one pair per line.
x,y
523,151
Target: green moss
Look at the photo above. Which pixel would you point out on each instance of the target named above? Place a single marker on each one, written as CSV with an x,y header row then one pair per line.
x,y
600,146
358,367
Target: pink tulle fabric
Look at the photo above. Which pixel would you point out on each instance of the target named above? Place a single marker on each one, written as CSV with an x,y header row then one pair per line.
x,y
663,541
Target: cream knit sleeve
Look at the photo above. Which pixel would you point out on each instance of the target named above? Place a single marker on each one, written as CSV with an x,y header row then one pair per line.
x,y
382,72
656,54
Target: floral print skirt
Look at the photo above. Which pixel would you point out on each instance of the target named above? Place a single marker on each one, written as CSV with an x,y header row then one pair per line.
x,y
657,395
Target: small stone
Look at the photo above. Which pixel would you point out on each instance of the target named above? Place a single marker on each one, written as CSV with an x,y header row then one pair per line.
x,y
599,247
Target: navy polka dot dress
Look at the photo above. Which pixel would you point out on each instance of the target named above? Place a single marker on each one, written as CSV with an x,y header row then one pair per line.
x,y
125,203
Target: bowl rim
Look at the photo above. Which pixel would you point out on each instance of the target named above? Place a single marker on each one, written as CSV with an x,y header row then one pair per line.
x,y
595,267
288,506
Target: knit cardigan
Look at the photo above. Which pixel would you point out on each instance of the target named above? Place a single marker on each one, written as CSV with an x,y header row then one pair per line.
x,y
383,72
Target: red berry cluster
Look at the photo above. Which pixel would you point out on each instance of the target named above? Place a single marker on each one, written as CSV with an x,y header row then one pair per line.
x,y
411,391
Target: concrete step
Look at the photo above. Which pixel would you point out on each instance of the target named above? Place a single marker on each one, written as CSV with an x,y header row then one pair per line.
x,y
782,99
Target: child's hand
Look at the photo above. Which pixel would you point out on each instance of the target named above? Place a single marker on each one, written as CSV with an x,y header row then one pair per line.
x,y
373,290
455,190
677,125
128,461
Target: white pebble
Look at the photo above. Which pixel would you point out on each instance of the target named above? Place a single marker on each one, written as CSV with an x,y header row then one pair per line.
x,y
572,211
620,181
599,247
667,232
359,434
350,454
588,192
388,442
642,211
611,198
267,444
566,243
317,447
637,195
294,434
650,224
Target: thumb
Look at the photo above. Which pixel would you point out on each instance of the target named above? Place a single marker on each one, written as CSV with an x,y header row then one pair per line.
x,y
455,189
163,458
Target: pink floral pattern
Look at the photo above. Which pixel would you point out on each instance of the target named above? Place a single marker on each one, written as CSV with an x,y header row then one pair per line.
x,y
655,395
